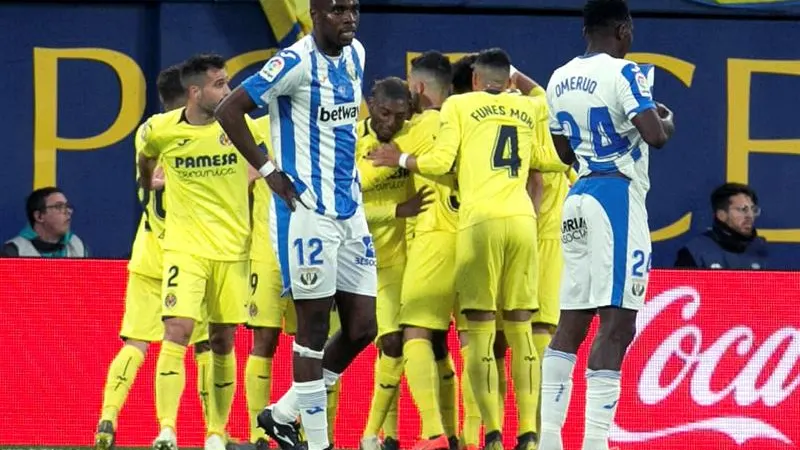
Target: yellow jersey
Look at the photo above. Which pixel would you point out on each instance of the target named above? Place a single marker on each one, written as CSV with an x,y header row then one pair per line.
x,y
495,138
442,213
207,189
382,194
554,192
146,255
261,243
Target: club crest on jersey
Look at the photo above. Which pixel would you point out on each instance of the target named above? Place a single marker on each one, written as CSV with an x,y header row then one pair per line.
x,y
170,301
637,288
641,82
351,70
224,140
273,68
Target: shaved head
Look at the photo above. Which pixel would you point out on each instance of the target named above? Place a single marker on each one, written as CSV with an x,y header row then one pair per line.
x,y
335,24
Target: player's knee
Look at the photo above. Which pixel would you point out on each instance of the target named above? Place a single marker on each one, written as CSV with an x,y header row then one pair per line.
x,y
363,331
543,328
265,342
202,347
621,334
220,338
439,341
392,345
178,330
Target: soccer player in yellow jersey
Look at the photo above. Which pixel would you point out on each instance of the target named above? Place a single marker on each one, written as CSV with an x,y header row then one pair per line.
x,y
427,307
387,205
141,323
494,137
267,308
554,188
206,242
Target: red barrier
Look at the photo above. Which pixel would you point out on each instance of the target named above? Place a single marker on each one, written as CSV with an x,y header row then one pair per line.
x,y
715,365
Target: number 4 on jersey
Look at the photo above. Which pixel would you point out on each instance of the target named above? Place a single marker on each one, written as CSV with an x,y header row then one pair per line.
x,y
506,151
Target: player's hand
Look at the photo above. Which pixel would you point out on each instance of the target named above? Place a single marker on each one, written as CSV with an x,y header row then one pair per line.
x,y
415,205
663,112
387,155
281,184
157,181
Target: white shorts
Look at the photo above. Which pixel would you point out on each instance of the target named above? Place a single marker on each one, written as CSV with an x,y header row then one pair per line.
x,y
606,245
320,255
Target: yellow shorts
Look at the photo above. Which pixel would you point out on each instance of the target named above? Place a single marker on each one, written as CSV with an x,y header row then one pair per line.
x,y
267,307
551,263
428,292
387,303
193,287
142,319
496,265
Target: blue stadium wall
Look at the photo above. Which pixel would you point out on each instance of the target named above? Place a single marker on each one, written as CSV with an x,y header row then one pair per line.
x,y
75,75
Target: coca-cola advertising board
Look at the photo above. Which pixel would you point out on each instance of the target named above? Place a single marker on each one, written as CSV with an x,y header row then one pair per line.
x,y
714,365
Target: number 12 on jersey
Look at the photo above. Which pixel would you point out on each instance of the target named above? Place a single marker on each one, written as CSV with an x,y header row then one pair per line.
x,y
506,151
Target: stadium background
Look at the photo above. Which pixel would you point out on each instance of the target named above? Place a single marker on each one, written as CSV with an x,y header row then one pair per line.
x,y
76,77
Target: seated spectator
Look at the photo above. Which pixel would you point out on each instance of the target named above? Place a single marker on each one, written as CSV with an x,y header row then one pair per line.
x,y
47,234
732,241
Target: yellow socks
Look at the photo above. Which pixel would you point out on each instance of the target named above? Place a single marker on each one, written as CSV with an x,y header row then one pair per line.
x,y
483,372
470,431
448,395
422,377
526,373
203,361
257,389
388,372
390,422
223,376
170,381
540,343
121,374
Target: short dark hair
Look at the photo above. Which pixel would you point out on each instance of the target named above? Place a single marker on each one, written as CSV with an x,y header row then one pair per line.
x,y
198,65
436,64
721,197
169,84
37,201
599,14
391,88
495,58
462,74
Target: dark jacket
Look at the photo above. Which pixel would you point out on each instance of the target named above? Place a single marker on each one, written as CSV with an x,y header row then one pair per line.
x,y
722,248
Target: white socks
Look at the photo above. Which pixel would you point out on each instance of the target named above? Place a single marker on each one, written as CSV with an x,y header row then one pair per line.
x,y
556,392
602,397
312,399
285,410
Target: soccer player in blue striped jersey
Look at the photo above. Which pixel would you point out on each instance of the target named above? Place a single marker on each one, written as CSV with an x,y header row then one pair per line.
x,y
319,229
602,109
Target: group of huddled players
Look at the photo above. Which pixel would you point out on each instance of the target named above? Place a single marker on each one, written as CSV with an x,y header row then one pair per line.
x,y
463,172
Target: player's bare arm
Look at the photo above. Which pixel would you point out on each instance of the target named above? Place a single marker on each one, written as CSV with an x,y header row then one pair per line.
x,y
231,116
654,129
147,166
535,188
563,149
157,181
666,116
524,83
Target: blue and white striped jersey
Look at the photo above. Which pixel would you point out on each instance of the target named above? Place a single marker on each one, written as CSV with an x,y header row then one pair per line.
x,y
592,100
313,101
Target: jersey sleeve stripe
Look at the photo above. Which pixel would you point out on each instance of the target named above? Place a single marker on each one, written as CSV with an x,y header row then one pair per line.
x,y
282,218
314,138
258,84
357,62
644,103
287,157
